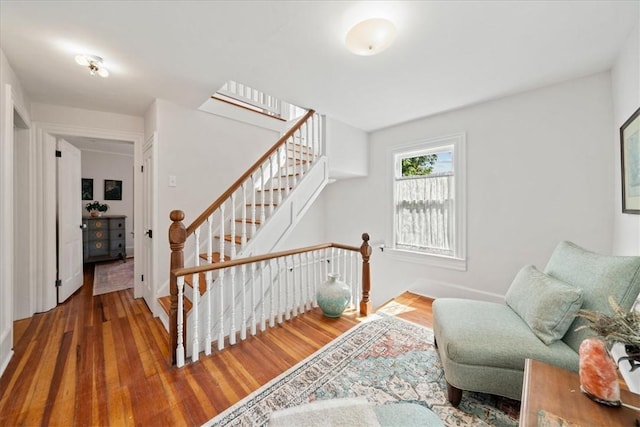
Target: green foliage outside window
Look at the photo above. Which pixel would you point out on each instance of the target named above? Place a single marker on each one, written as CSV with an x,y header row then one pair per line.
x,y
421,165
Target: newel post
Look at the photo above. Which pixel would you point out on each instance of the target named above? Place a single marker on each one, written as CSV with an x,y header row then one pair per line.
x,y
177,237
365,250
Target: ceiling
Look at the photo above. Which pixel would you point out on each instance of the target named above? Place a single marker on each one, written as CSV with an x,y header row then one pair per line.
x,y
447,54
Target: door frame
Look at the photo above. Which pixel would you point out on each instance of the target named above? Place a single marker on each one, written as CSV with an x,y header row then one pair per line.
x,y
47,194
151,143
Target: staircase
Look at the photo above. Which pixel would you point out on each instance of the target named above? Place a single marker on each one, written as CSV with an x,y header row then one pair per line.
x,y
252,217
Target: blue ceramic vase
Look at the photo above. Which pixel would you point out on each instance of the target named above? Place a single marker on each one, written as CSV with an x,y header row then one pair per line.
x,y
333,296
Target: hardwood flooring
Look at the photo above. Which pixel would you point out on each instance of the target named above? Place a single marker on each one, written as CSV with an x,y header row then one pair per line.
x,y
103,361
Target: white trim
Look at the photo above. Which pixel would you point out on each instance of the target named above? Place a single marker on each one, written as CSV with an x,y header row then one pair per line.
x,y
152,141
433,260
6,230
458,142
113,153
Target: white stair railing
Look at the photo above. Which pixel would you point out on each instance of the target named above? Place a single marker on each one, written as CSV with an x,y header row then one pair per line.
x,y
285,284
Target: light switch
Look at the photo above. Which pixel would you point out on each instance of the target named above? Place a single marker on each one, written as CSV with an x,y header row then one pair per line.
x,y
172,180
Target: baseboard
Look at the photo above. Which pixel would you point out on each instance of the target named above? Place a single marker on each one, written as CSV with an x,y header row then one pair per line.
x,y
437,289
5,362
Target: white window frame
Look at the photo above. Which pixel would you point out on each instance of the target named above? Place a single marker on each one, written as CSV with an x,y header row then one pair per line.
x,y
421,147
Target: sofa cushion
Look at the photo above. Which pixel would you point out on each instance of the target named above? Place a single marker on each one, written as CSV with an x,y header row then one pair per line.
x,y
599,276
546,304
481,333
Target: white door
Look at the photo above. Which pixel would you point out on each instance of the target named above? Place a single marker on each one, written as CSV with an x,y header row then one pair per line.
x,y
148,290
69,220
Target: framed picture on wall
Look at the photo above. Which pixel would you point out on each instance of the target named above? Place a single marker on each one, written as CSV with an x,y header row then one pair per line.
x,y
112,189
630,157
87,188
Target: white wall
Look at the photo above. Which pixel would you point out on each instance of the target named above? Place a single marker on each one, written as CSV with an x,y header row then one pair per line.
x,y
347,150
626,99
100,166
311,230
12,97
206,154
538,168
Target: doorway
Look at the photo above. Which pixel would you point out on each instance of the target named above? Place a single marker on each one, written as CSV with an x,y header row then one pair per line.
x,y
45,181
106,179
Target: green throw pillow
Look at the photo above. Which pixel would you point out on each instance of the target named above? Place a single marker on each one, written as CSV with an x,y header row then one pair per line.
x,y
546,304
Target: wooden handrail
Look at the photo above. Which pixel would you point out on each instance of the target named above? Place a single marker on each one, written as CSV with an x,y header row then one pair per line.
x,y
215,205
240,261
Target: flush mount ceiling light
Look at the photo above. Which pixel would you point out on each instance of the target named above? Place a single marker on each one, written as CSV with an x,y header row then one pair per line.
x,y
94,63
371,36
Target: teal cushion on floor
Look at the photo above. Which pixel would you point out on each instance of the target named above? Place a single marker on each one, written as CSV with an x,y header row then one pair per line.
x,y
406,414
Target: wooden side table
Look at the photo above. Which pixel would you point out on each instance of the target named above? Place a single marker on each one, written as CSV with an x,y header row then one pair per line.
x,y
551,396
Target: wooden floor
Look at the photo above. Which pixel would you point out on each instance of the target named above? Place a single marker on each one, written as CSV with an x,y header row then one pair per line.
x,y
103,361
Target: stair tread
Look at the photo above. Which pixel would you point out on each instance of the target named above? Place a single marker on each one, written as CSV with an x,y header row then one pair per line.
x,y
260,204
165,303
227,238
249,220
202,282
215,257
274,189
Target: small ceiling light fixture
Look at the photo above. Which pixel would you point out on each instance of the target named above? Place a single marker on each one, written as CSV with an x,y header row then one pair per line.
x,y
371,36
94,63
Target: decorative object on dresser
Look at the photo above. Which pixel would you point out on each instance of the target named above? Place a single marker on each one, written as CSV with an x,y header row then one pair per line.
x,y
96,208
103,238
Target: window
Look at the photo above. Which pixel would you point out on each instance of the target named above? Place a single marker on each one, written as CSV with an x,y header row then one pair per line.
x,y
429,201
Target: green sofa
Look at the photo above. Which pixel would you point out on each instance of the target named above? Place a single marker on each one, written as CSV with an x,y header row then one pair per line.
x,y
483,345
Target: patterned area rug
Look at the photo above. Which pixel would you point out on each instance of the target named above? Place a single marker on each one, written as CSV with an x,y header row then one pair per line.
x,y
112,276
385,360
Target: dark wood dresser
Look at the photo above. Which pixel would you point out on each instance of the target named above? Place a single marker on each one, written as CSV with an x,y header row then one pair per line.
x,y
103,238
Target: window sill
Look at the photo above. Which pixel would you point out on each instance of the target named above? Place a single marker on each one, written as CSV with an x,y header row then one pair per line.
x,y
451,263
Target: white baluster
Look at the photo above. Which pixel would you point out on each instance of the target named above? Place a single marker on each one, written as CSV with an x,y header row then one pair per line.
x,y
287,166
208,281
272,291
332,264
307,152
314,283
301,165
303,294
180,344
253,205
233,226
292,160
232,329
243,323
222,221
253,298
208,277
263,325
263,187
354,288
279,174
280,310
287,305
220,280
294,300
195,281
308,304
243,238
